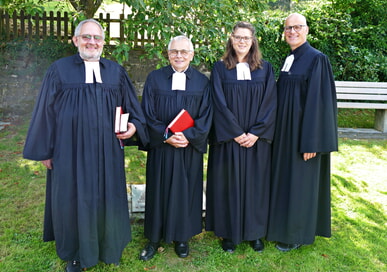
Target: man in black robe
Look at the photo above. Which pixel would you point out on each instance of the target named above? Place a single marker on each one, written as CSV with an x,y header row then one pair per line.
x,y
174,173
72,133
306,133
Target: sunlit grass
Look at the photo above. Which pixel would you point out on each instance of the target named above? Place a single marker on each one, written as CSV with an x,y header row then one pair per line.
x,y
359,208
135,162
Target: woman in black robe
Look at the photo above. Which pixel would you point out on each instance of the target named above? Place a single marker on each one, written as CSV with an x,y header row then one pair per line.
x,y
244,99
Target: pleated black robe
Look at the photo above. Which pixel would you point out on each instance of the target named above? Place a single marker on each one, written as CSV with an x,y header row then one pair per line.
x,y
174,176
306,123
238,177
73,123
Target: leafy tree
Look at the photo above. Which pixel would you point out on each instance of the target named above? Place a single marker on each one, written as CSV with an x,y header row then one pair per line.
x,y
87,7
29,6
207,23
353,34
282,4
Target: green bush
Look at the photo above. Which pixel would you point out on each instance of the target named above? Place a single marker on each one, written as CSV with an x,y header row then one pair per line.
x,y
351,32
354,45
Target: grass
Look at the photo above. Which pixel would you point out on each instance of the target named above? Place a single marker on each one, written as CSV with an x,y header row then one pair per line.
x,y
356,118
359,220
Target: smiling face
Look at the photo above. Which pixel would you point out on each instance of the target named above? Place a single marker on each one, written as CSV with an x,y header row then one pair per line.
x,y
296,38
89,46
241,42
180,54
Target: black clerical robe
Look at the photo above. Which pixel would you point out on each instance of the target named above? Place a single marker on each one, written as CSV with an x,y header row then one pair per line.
x,y
306,123
174,176
73,124
238,178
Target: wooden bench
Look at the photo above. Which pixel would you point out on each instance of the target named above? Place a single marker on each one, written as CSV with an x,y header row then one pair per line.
x,y
364,95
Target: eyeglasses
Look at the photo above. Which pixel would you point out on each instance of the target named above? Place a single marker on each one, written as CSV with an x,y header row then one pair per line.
x,y
174,52
240,38
296,28
88,37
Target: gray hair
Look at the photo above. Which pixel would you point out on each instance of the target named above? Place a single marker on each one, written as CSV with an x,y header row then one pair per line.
x,y
179,38
77,31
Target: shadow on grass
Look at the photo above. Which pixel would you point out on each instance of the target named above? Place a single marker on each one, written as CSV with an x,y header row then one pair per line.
x,y
359,224
344,185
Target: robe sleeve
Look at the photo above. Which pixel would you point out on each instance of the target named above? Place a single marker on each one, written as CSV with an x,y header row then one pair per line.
x,y
197,135
319,123
40,143
155,126
136,115
265,122
225,124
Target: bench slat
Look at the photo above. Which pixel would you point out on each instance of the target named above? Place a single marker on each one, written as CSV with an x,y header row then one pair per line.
x,y
377,97
360,84
361,90
354,105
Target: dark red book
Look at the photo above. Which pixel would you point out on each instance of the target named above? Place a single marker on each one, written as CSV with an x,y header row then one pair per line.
x,y
181,122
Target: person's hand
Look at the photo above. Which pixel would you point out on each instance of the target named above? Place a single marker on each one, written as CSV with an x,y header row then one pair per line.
x,y
47,163
129,133
308,156
240,138
246,140
177,140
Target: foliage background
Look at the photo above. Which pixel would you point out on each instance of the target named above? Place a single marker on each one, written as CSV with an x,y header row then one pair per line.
x,y
351,32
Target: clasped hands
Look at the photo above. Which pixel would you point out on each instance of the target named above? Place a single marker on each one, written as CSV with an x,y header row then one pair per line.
x,y
246,140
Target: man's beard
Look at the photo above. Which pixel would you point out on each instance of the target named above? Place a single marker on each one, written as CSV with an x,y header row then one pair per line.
x,y
90,56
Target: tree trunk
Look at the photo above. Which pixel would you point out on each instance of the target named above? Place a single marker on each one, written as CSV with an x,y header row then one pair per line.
x,y
87,7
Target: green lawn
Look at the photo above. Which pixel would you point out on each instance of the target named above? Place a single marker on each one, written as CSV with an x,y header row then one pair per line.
x,y
356,118
359,220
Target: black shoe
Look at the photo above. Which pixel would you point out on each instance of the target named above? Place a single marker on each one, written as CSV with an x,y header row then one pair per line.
x,y
287,247
73,266
149,251
182,249
258,245
228,245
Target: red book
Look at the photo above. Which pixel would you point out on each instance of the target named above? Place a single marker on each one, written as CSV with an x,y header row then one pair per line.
x,y
181,122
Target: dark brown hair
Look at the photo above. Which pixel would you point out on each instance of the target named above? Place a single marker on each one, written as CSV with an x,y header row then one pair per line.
x,y
254,57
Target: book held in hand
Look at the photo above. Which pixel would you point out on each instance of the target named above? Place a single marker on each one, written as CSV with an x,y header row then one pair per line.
x,y
121,121
181,122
